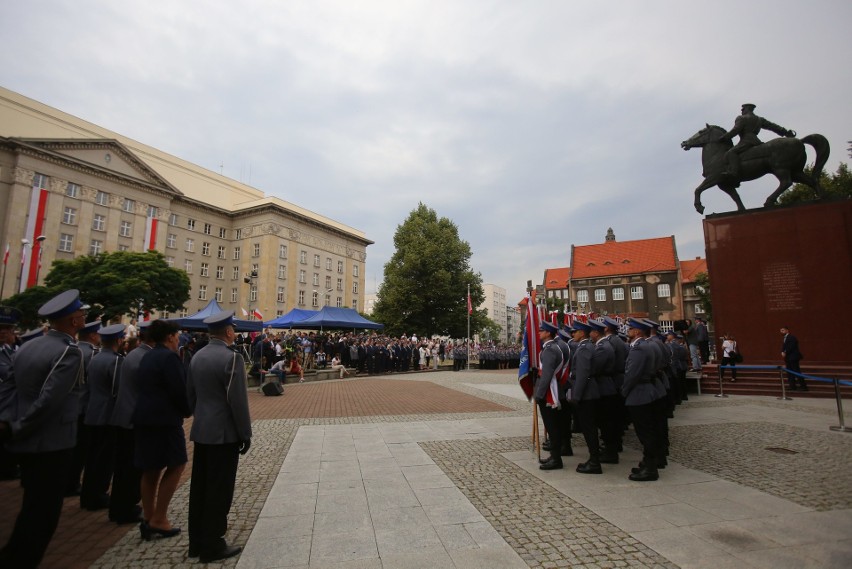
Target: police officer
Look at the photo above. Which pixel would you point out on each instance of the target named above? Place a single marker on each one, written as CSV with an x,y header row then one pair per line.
x,y
619,348
89,343
9,318
124,502
551,362
103,376
641,391
221,432
565,405
47,373
608,406
585,395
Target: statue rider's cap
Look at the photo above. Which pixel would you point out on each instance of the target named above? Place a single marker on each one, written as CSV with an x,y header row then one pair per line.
x,y
750,106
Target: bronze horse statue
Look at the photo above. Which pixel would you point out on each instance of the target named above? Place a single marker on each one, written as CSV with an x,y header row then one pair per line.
x,y
785,158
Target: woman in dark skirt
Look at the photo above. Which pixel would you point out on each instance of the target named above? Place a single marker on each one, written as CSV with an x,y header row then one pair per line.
x,y
158,428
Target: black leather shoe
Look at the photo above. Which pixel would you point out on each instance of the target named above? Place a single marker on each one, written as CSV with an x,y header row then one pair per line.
x,y
609,458
193,551
590,467
223,552
567,451
645,475
551,464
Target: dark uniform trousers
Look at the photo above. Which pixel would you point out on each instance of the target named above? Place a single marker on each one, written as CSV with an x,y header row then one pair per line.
x,y
587,412
126,478
78,460
565,415
43,495
214,473
646,422
610,421
99,461
552,422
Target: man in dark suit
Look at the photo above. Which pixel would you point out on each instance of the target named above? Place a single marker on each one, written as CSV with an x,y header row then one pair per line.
x,y
42,428
792,356
221,431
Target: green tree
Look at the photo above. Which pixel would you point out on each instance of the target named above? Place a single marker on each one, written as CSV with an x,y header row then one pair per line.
x,y
28,302
122,282
835,185
702,289
425,284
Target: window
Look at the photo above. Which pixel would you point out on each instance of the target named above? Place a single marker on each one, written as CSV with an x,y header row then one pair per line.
x,y
582,296
202,292
235,274
208,229
190,245
222,233
173,219
339,284
220,253
238,233
255,267
328,263
253,293
316,261
205,248
327,282
190,224
699,309
339,302
101,198
301,298
600,295
152,211
99,222
123,247
72,190
315,281
327,299
255,251
233,295
125,229
664,290
237,253
187,266
315,298
281,294
355,287
339,266
205,270
218,294
129,205
69,216
282,271
170,261
95,247
302,276
618,293
303,257
637,292
354,304
66,242
220,272
171,241
282,251
354,270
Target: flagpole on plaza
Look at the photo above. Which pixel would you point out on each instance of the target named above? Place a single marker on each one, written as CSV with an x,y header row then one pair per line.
x,y
469,308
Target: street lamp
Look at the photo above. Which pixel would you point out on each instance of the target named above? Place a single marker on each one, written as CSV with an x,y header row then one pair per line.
x,y
326,294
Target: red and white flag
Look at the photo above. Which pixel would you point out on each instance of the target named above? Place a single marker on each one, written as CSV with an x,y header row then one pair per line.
x,y
150,233
257,314
35,227
6,255
245,312
469,305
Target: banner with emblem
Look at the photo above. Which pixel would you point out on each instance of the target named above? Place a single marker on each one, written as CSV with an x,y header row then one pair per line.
x,y
529,365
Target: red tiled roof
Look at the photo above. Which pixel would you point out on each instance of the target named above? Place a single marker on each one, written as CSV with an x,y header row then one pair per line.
x,y
624,258
555,279
689,269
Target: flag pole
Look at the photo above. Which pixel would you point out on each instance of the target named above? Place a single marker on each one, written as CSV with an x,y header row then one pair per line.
x,y
468,327
535,435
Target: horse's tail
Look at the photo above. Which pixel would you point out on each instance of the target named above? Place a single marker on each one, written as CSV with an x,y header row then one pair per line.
x,y
820,144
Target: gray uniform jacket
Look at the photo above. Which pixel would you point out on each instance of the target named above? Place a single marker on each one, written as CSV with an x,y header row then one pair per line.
x,y
128,388
551,358
88,350
662,357
103,377
603,363
218,395
583,385
47,372
566,358
639,382
619,348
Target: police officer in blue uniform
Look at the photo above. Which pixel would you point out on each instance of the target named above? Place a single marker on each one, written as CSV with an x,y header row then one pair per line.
x,y
609,420
586,395
103,377
221,432
42,427
551,361
89,343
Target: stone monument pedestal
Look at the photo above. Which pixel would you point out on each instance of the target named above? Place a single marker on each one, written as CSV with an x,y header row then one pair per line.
x,y
786,266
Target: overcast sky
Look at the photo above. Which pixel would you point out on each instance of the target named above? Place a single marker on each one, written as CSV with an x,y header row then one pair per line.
x,y
532,125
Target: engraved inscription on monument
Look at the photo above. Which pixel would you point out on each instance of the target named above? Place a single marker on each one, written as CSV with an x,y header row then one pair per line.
x,y
782,286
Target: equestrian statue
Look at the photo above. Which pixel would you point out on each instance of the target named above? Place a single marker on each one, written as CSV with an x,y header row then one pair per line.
x,y
726,165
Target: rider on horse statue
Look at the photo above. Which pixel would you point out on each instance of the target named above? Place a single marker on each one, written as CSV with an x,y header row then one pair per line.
x,y
747,126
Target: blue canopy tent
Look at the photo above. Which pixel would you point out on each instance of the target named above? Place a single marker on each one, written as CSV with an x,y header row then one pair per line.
x,y
332,317
288,320
196,321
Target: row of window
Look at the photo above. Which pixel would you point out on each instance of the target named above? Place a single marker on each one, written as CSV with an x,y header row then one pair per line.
x,y
281,296
636,293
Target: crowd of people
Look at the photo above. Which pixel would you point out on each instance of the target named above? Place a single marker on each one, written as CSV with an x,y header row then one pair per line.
x,y
86,410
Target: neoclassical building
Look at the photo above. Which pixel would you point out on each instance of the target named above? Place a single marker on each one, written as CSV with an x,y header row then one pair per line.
x,y
70,188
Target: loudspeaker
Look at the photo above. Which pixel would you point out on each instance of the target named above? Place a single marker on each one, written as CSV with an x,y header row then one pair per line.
x,y
273,388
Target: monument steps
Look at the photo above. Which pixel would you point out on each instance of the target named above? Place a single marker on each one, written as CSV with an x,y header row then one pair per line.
x,y
768,382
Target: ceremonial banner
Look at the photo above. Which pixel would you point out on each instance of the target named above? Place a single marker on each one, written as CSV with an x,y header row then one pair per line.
x,y
530,347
